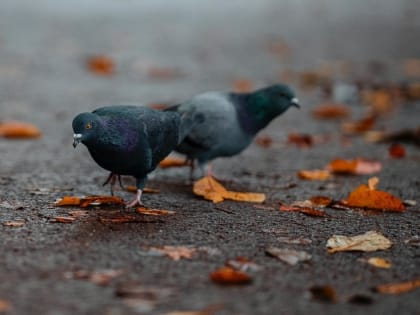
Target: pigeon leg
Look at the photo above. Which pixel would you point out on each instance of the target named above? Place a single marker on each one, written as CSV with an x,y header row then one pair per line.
x,y
120,182
111,180
190,163
140,183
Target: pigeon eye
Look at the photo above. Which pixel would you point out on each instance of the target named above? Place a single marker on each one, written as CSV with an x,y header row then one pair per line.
x,y
88,125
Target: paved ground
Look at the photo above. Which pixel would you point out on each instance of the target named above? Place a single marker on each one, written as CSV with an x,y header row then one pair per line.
x,y
43,80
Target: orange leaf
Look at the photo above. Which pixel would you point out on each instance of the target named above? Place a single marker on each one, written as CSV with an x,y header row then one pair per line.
x,y
359,126
355,167
17,129
212,190
101,65
381,101
158,106
379,262
68,201
365,197
331,111
100,200
143,210
242,85
119,219
228,275
304,210
160,73
172,162
398,288
5,306
314,174
324,293
397,151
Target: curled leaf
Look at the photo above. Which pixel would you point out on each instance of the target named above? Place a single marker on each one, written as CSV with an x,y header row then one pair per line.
x,y
62,219
289,256
356,166
314,174
379,262
331,111
367,242
212,190
398,288
359,126
87,201
143,210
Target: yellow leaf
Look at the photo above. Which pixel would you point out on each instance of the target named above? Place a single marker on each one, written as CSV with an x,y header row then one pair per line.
x,y
379,262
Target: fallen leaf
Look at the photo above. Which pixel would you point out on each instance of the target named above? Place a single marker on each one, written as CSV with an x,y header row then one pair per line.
x,y
19,130
368,242
175,252
413,241
314,174
279,48
143,210
16,223
405,135
380,100
398,288
323,294
355,167
212,190
359,126
242,85
366,197
172,162
411,67
264,141
158,106
379,262
160,73
61,219
289,256
331,111
373,183
312,79
305,210
230,276
87,201
413,91
78,213
5,306
101,65
243,264
322,201
300,140
396,151
297,241
119,219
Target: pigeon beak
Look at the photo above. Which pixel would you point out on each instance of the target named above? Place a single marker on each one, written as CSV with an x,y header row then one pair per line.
x,y
295,102
77,137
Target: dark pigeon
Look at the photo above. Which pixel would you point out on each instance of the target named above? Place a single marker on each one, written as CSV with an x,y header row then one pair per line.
x,y
130,140
230,121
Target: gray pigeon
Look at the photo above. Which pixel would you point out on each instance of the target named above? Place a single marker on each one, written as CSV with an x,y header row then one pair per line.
x,y
229,121
130,140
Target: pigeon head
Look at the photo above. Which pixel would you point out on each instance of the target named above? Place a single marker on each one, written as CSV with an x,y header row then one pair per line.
x,y
85,127
265,104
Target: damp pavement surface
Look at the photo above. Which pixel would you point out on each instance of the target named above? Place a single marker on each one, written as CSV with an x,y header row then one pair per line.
x,y
44,266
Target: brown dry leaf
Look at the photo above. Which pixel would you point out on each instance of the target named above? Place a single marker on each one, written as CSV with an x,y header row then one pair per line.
x,y
5,306
78,213
172,162
100,200
331,111
230,276
212,190
356,166
15,223
411,67
68,201
413,91
381,101
314,174
158,106
305,210
264,141
365,197
368,242
312,79
143,210
100,277
175,252
119,219
396,151
160,73
242,85
19,130
322,201
405,135
379,262
300,140
359,126
360,299
62,219
398,288
323,294
101,65
289,256
279,48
